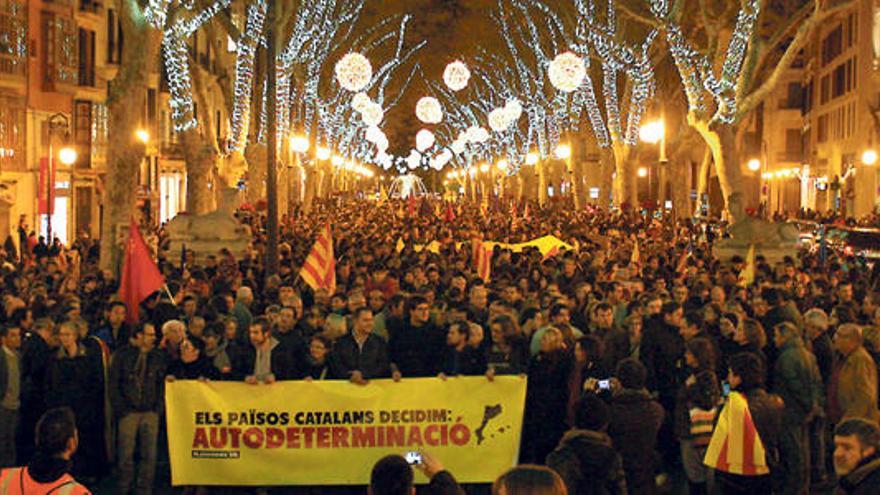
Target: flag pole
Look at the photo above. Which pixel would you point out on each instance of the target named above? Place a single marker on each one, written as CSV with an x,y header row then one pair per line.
x,y
168,292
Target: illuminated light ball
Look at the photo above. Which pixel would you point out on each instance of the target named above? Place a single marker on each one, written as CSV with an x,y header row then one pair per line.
x,y
458,146
456,75
471,134
373,134
373,114
514,110
382,144
424,140
480,135
360,102
353,71
414,160
429,111
567,72
498,120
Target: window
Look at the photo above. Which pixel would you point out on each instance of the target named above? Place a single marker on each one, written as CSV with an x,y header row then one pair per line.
x,y
794,98
822,129
793,143
838,80
86,58
151,108
114,38
82,132
100,132
808,97
12,130
13,38
824,90
832,45
60,52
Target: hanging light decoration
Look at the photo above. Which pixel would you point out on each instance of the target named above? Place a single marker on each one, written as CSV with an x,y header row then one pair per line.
x,y
458,146
456,75
414,160
514,110
498,121
567,72
429,111
373,134
424,140
353,72
373,114
360,102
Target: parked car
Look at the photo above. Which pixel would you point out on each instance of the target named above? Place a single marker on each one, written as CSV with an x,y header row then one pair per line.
x,y
855,242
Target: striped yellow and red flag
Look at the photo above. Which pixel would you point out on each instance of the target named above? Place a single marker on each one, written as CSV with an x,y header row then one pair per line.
x,y
319,268
482,258
736,446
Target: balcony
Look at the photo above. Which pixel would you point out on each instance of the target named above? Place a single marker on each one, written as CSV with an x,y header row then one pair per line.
x,y
90,6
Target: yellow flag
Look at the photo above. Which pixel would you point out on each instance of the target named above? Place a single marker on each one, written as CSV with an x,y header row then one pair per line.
x,y
747,276
383,194
736,446
400,245
636,254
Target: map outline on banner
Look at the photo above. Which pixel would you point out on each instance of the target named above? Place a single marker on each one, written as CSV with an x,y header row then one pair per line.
x,y
332,432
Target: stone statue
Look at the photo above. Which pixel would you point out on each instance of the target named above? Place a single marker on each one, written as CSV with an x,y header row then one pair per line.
x,y
209,233
771,239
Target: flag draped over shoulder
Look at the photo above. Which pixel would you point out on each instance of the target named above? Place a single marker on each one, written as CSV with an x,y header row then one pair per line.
x,y
747,276
319,268
140,275
736,447
482,258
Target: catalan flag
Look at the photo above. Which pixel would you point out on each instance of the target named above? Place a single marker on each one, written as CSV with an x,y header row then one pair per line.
x,y
482,258
736,446
747,275
319,269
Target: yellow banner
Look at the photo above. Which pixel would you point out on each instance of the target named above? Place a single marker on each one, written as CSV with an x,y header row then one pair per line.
x,y
332,432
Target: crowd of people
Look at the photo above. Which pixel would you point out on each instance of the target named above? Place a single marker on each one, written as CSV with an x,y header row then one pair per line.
x,y
631,341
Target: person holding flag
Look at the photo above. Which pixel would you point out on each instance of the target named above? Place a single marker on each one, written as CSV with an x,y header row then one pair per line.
x,y
745,445
140,276
319,268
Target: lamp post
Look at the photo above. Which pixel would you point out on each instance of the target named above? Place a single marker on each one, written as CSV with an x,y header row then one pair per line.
x,y
653,133
57,123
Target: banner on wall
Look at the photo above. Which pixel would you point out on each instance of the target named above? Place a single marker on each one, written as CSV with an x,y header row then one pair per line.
x,y
332,432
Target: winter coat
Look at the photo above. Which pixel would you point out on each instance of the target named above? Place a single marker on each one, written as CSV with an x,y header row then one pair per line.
x,y
635,421
662,352
371,359
546,400
863,480
853,388
127,393
797,381
588,464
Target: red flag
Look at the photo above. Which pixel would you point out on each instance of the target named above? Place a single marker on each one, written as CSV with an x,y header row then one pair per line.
x,y
45,189
450,215
319,268
411,205
140,275
482,258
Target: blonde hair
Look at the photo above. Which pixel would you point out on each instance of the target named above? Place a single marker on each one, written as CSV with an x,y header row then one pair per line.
x,y
529,479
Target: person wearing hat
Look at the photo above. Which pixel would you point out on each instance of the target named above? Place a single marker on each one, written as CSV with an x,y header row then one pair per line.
x,y
585,457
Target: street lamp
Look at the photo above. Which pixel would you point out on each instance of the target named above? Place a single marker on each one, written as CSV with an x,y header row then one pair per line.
x,y
299,144
563,152
484,168
642,172
754,164
532,159
323,153
655,132
58,123
502,165
142,135
869,157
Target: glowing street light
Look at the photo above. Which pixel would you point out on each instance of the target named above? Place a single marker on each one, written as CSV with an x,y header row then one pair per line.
x,y
142,135
532,159
502,165
642,172
337,160
869,157
299,144
323,153
754,165
563,152
484,168
67,155
652,132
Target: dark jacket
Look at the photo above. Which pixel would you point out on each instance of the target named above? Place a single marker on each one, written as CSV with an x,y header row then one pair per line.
x,y
469,361
826,358
863,480
417,351
635,421
588,464
797,381
662,352
443,483
371,359
766,410
200,368
128,393
113,340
